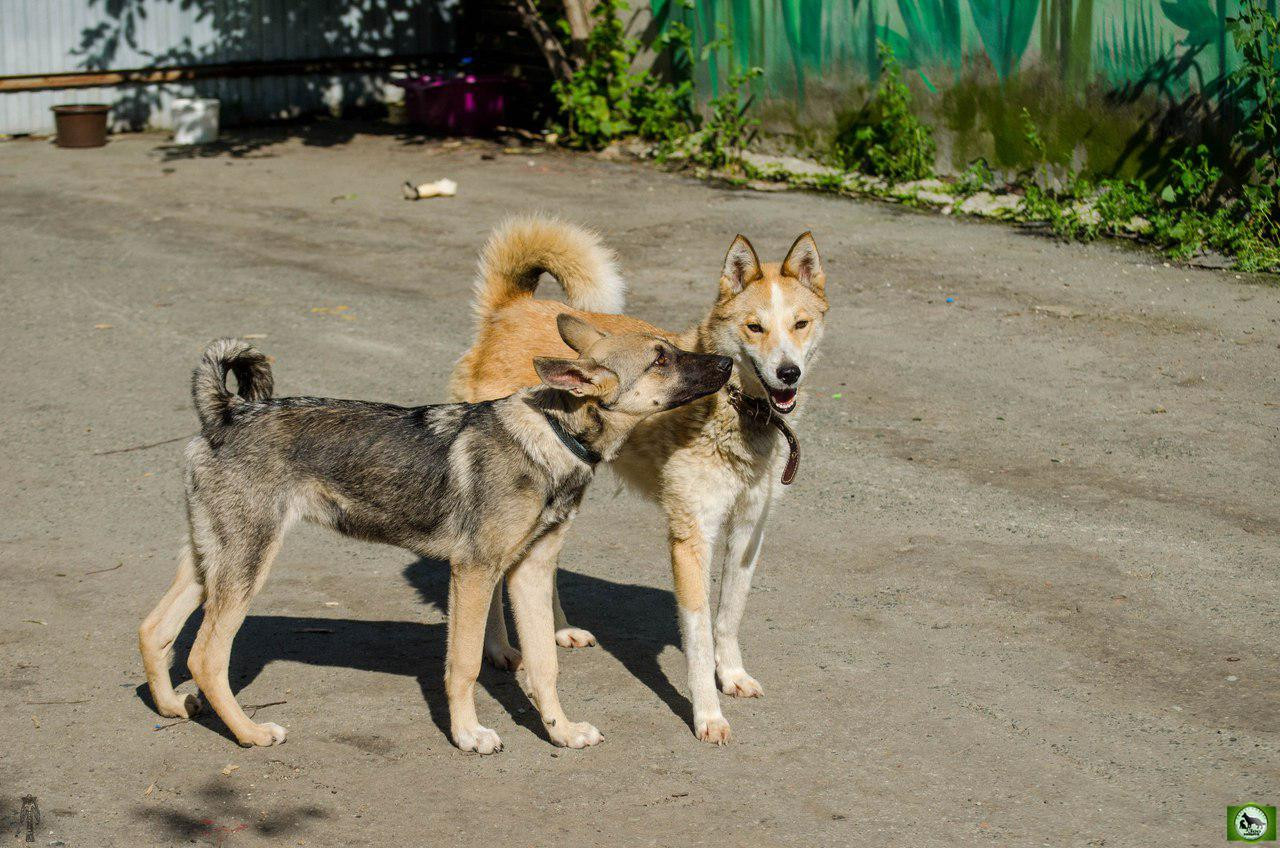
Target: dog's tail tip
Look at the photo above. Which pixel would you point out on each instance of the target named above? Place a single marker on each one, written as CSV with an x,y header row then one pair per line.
x,y
213,400
524,246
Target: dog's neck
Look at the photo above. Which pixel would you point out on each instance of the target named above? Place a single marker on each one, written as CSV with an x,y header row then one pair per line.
x,y
599,430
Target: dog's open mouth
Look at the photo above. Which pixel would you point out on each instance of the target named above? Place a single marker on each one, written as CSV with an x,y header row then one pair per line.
x,y
783,400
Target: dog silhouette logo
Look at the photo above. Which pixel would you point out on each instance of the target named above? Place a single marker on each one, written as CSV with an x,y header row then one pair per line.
x,y
1251,823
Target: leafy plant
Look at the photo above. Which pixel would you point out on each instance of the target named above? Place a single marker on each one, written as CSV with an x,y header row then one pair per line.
x,y
885,138
975,178
605,99
728,130
1257,36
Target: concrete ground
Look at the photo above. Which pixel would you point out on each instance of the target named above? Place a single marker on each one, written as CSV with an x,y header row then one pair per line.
x,y
1024,591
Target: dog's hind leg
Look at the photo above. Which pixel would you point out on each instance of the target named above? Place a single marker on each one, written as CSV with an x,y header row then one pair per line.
x,y
744,534
159,630
470,592
567,636
234,574
530,586
497,644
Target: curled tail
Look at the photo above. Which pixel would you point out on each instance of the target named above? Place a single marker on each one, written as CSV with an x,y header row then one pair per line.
x,y
522,248
214,403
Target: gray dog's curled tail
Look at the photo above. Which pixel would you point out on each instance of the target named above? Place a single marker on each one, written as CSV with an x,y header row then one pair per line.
x,y
215,404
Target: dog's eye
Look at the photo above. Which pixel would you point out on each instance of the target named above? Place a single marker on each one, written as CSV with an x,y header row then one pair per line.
x,y
801,324
660,360
755,328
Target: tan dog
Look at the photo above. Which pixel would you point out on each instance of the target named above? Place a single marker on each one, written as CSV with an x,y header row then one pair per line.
x,y
711,466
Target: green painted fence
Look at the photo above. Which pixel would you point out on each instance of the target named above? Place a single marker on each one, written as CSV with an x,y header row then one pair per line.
x,y
1104,79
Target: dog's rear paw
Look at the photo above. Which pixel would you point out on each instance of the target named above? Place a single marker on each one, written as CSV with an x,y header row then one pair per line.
x,y
264,735
576,734
480,740
739,684
182,706
714,730
574,637
502,656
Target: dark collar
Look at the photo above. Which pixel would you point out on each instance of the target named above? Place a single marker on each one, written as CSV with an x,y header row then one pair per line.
x,y
576,447
761,411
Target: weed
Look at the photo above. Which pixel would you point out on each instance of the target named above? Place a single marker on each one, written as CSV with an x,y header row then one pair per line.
x,y
605,99
975,178
885,138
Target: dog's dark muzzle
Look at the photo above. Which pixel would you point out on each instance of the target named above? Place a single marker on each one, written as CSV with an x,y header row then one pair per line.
x,y
702,374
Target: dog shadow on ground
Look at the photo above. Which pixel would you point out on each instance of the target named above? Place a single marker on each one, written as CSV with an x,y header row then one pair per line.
x,y
633,623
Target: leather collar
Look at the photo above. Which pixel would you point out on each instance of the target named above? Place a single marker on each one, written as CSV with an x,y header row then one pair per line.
x,y
575,446
761,411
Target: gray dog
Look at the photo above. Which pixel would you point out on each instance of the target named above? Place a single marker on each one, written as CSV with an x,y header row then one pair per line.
x,y
491,487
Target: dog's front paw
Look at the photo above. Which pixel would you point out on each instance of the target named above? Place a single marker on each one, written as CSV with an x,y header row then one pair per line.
x,y
739,684
712,729
575,734
502,656
574,637
263,735
479,739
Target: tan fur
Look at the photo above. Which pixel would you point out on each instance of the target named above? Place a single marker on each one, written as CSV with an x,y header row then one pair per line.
x,y
701,463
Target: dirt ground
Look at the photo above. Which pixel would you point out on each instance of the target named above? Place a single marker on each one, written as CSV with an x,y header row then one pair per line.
x,y
1024,591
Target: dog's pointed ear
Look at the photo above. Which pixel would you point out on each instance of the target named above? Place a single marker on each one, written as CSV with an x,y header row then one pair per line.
x,y
741,267
802,262
580,377
577,334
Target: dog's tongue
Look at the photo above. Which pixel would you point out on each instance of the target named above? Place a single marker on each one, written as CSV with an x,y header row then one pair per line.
x,y
782,398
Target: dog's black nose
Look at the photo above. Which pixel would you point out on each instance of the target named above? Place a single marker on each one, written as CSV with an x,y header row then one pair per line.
x,y
724,364
789,374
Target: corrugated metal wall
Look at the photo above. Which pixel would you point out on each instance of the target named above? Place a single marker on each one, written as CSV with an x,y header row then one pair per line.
x,y
55,36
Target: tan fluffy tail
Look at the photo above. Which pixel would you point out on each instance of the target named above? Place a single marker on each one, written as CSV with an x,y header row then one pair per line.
x,y
522,248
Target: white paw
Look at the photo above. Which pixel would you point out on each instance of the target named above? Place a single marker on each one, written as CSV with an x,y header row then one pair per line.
x,y
713,729
265,735
739,684
502,656
479,739
574,637
575,734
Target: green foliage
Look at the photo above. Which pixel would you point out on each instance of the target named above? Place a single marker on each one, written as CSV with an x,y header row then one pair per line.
x,y
975,178
606,100
728,130
885,138
1185,219
1257,36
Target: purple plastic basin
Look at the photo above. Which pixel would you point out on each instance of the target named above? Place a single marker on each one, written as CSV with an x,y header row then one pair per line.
x,y
470,105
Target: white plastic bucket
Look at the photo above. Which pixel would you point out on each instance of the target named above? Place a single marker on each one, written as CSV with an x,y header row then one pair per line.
x,y
195,120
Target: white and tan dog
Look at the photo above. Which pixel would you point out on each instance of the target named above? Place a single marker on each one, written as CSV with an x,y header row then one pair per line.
x,y
714,465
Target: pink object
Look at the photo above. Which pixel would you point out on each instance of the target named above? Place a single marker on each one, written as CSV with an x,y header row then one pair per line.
x,y
467,105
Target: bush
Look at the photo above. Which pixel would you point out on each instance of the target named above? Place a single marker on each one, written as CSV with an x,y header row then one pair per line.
x,y
884,138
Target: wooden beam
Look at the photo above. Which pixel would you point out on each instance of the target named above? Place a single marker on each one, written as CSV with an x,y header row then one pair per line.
x,y
189,73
